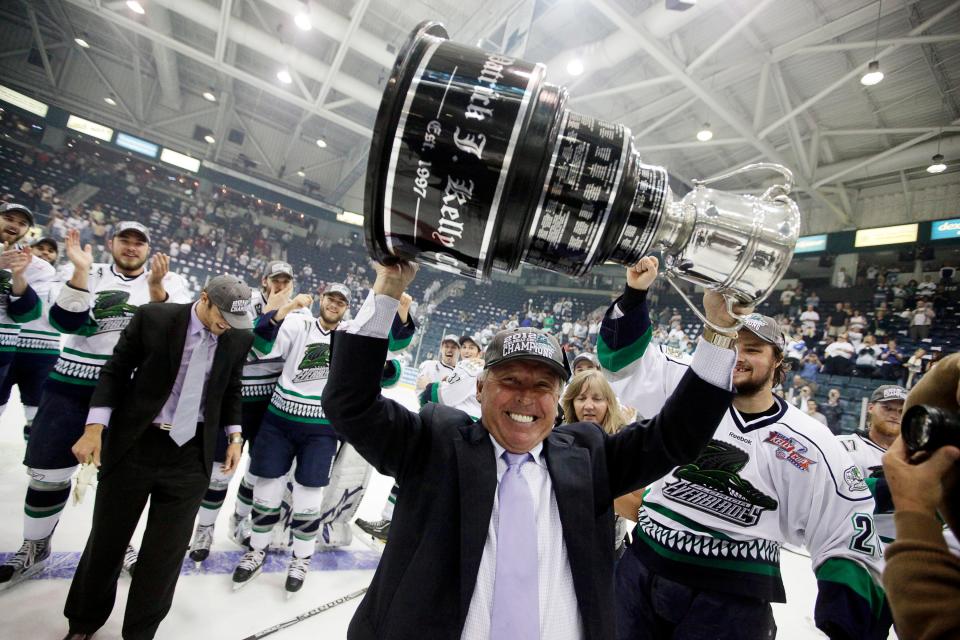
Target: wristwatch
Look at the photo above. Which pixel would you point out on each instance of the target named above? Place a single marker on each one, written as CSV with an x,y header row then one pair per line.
x,y
235,438
722,340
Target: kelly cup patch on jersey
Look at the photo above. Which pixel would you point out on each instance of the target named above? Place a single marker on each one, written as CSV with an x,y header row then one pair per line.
x,y
791,450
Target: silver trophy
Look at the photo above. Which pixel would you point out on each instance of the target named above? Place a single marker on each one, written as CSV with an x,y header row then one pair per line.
x,y
476,165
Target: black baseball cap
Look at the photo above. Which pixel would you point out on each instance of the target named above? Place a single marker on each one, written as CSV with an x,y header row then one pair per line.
x,y
47,240
339,289
526,343
13,207
232,296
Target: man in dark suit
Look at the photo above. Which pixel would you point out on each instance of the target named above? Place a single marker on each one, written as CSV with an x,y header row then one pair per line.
x,y
173,380
503,526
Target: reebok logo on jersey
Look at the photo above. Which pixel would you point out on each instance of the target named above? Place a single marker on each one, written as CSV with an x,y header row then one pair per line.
x,y
854,479
791,450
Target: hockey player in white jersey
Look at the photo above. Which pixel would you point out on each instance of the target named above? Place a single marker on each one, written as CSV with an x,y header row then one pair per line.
x,y
458,390
15,222
437,370
259,379
92,309
705,554
38,342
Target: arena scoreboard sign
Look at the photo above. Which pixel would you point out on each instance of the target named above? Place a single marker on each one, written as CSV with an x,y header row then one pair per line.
x,y
945,229
139,145
810,244
897,234
90,128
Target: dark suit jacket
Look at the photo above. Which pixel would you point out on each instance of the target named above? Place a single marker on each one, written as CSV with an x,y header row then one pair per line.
x,y
445,465
136,381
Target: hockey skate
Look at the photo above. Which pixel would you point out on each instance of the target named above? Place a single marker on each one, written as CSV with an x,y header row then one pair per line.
x,y
202,541
251,564
334,535
130,560
239,532
296,574
29,560
373,534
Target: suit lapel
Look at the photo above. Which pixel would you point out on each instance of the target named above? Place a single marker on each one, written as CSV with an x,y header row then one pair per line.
x,y
571,475
477,478
178,337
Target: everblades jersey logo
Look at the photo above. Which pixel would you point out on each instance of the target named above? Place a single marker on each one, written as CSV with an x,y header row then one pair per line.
x,y
791,450
854,479
315,364
111,310
712,484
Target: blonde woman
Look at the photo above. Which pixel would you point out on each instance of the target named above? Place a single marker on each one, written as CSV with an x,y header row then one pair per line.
x,y
589,398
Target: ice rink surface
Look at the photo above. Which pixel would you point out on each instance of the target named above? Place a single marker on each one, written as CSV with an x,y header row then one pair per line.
x,y
206,608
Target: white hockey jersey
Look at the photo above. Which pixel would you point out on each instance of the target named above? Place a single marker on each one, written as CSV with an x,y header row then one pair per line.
x,y
780,477
37,335
260,374
433,371
37,271
459,389
94,319
304,347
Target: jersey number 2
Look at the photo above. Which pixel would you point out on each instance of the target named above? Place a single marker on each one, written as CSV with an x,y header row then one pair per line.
x,y
865,532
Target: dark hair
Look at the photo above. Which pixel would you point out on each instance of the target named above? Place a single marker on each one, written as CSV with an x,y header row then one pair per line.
x,y
780,372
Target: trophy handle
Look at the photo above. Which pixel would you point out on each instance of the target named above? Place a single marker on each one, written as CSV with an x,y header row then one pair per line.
x,y
741,319
778,189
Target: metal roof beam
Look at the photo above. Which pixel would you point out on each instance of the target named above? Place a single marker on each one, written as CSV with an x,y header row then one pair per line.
x,y
624,88
229,70
853,73
220,49
883,42
886,131
728,34
35,28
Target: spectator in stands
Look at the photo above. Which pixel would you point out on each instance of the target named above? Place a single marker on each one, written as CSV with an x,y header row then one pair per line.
x,y
786,300
857,323
915,366
810,367
891,361
841,279
810,317
837,320
813,300
871,274
881,292
868,356
832,410
811,410
801,394
927,288
921,320
838,356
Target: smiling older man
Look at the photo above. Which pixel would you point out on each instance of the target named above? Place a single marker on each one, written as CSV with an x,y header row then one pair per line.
x,y
502,528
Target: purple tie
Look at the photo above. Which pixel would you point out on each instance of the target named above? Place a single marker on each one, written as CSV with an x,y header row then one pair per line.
x,y
516,600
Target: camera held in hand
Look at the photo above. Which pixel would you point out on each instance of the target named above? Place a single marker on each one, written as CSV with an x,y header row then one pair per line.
x,y
927,428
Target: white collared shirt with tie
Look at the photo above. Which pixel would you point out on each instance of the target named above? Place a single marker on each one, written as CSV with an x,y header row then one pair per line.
x,y
559,611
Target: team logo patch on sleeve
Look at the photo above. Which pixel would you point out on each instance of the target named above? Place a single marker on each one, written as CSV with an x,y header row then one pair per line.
x,y
854,479
791,450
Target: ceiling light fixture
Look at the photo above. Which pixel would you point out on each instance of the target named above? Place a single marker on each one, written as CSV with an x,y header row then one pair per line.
x,y
302,19
209,139
301,172
938,165
706,133
136,7
209,95
874,75
284,76
575,67
321,143
110,100
81,41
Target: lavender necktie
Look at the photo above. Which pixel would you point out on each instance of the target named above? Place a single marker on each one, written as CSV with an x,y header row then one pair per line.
x,y
516,598
188,405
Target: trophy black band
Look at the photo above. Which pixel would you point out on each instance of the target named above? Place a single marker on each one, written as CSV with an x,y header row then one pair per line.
x,y
476,165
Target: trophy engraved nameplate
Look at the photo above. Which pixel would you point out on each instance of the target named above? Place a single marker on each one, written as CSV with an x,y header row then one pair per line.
x,y
477,165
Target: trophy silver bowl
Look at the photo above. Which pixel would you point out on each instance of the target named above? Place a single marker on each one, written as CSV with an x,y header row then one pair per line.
x,y
477,165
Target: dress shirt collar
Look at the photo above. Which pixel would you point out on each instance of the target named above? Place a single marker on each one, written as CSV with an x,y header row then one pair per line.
x,y
195,326
536,452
